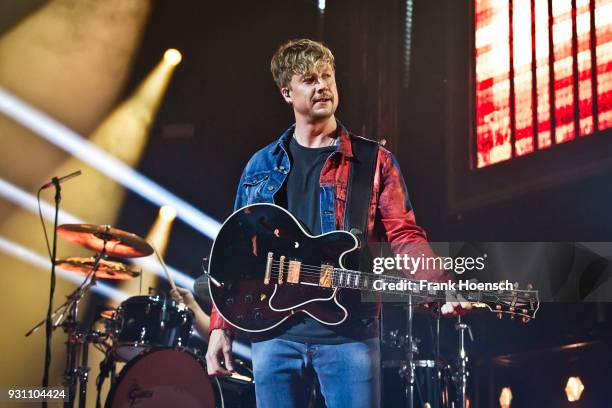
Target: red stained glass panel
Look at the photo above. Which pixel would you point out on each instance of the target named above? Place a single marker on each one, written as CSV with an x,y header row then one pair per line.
x,y
603,28
563,70
542,73
492,82
585,86
521,51
503,40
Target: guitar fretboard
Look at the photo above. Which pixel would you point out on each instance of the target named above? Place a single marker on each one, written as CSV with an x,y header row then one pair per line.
x,y
510,300
396,285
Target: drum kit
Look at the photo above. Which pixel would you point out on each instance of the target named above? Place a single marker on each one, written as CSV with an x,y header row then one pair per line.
x,y
428,383
150,334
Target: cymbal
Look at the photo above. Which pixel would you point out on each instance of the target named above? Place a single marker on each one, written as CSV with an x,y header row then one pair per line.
x,y
106,269
119,243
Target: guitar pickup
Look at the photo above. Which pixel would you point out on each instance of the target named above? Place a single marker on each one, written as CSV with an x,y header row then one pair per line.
x,y
325,279
293,274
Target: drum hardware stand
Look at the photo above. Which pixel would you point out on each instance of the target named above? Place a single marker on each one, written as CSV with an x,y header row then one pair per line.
x,y
462,372
437,358
68,321
410,344
75,336
107,366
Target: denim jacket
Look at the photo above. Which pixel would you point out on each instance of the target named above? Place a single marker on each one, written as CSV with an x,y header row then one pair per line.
x,y
390,219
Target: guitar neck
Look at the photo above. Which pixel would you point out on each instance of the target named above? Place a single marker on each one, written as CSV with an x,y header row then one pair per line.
x,y
503,297
399,285
422,289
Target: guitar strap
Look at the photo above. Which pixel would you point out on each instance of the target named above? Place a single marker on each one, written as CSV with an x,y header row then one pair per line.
x,y
359,193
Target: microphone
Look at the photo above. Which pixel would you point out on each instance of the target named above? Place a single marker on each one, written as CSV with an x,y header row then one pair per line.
x,y
61,179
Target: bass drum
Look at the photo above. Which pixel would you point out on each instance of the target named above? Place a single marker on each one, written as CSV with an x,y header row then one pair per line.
x,y
163,378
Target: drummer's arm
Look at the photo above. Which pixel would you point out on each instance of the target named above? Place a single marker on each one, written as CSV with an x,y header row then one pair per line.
x,y
202,320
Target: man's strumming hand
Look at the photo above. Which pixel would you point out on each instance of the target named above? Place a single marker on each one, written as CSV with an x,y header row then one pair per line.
x,y
219,349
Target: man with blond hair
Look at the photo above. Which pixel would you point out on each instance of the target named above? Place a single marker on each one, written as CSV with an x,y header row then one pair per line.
x,y
307,170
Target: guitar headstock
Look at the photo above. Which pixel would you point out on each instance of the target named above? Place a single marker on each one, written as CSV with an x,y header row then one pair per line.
x,y
523,303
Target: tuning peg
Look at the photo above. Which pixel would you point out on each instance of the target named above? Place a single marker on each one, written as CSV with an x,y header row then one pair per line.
x,y
512,316
526,319
529,286
497,307
499,315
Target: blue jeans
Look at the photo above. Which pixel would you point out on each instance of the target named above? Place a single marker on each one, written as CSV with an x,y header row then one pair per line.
x,y
349,373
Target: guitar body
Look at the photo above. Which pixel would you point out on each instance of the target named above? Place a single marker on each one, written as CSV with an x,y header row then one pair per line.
x,y
239,263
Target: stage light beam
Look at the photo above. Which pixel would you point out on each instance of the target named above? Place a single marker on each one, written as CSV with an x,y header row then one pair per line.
x,y
167,213
173,57
158,237
159,234
50,129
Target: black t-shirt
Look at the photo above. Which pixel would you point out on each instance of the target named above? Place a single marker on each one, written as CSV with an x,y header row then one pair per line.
x,y
302,187
301,196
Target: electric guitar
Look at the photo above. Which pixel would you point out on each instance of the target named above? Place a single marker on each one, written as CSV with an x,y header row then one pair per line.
x,y
264,267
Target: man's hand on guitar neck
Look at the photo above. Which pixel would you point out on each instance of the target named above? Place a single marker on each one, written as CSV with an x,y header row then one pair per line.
x,y
455,305
220,349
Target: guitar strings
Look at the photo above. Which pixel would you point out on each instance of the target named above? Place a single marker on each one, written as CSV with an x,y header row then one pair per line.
x,y
496,295
318,269
313,271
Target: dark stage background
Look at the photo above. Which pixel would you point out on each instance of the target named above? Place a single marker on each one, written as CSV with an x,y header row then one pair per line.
x,y
222,105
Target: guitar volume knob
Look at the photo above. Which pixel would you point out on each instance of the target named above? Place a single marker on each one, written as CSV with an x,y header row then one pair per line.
x,y
248,299
229,301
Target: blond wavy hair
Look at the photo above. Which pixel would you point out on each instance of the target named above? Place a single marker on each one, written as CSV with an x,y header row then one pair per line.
x,y
298,57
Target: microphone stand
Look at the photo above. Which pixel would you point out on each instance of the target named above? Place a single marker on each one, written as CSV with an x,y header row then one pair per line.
x,y
48,323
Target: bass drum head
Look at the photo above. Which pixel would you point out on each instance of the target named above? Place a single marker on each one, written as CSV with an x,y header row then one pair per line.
x,y
163,378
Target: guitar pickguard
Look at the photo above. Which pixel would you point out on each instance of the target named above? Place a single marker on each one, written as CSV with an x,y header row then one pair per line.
x,y
319,303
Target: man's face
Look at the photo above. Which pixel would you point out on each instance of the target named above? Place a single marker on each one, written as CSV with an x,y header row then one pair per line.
x,y
313,95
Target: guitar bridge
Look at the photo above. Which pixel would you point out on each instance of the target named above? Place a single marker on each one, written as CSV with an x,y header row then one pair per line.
x,y
293,275
281,270
268,274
